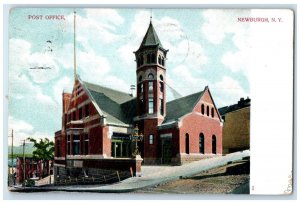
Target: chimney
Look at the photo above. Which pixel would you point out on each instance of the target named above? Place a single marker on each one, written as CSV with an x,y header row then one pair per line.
x,y
66,97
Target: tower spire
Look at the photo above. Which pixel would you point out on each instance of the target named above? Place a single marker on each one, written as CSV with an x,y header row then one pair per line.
x,y
74,57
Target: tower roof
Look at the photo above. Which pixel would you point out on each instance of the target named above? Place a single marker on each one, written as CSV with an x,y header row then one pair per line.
x,y
151,38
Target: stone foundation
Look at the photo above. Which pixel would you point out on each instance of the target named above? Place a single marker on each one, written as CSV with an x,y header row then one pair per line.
x,y
187,158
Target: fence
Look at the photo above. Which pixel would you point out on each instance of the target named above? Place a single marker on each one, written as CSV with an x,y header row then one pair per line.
x,y
117,176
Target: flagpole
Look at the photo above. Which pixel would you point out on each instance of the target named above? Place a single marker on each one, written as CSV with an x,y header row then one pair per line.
x,y
74,58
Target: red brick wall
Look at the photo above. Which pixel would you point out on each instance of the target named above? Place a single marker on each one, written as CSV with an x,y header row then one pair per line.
x,y
196,123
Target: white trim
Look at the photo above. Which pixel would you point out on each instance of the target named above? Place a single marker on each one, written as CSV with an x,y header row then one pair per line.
x,y
84,103
166,135
59,158
61,165
71,110
76,122
89,156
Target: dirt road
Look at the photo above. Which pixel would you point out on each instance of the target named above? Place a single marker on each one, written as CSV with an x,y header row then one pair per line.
x,y
231,178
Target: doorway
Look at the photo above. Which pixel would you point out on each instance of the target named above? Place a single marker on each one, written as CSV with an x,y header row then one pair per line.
x,y
187,143
214,144
166,151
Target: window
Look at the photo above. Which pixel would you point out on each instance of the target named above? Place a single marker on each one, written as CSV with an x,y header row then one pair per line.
x,y
69,146
161,77
150,84
214,144
153,58
159,60
142,88
162,106
163,62
151,139
161,86
148,58
138,61
150,106
76,145
201,143
74,115
86,144
80,113
141,105
207,111
150,76
140,78
187,143
212,112
142,60
58,148
87,110
202,109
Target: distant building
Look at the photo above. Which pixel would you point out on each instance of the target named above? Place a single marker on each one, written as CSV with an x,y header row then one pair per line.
x,y
97,122
33,169
236,128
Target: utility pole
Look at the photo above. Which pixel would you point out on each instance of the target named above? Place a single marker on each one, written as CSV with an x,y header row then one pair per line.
x,y
24,170
12,148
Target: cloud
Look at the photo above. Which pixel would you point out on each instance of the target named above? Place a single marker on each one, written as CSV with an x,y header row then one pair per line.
x,y
41,67
227,91
218,24
98,26
183,51
19,125
116,83
186,82
63,84
92,67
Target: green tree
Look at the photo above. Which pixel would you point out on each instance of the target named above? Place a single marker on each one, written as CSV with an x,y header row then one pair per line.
x,y
44,148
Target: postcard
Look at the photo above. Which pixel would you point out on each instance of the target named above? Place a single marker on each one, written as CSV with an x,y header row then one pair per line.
x,y
150,100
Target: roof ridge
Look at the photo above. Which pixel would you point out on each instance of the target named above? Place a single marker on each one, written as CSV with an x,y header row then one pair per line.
x,y
106,87
199,92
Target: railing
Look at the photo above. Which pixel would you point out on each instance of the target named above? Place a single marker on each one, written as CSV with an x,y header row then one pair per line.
x,y
99,179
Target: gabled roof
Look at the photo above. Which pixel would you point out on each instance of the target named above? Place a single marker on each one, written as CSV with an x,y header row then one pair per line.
x,y
117,96
179,107
112,103
151,38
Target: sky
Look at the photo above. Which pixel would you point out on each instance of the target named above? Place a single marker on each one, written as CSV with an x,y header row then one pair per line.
x,y
206,48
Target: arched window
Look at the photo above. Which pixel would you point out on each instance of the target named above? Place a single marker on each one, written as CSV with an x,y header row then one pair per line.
x,y
161,86
207,111
161,77
153,58
150,76
140,78
163,62
201,143
212,112
148,58
202,109
159,60
214,144
187,143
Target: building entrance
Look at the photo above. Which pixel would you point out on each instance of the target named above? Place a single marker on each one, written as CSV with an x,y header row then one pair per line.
x,y
166,151
121,145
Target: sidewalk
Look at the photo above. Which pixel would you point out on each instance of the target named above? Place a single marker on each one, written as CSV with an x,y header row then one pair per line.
x,y
151,176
